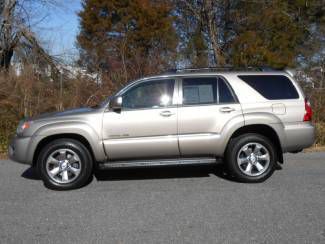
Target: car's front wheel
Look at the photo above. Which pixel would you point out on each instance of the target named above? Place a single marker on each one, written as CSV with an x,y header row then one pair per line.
x,y
251,157
65,164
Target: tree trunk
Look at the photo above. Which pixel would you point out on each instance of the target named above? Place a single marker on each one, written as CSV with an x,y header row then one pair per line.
x,y
5,59
217,54
7,39
208,9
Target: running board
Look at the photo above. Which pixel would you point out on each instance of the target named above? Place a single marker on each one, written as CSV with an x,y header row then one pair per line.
x,y
156,163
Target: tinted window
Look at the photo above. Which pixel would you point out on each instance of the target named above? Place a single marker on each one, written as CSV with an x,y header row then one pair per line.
x,y
199,90
225,94
271,86
151,94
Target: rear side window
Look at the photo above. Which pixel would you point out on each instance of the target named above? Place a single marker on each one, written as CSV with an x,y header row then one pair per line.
x,y
206,90
199,90
272,87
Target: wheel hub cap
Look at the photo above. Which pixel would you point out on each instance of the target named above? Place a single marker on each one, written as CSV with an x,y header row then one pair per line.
x,y
63,164
252,158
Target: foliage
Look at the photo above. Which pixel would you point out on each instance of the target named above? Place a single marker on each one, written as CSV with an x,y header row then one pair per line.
x,y
29,94
320,136
135,36
7,129
196,49
272,40
273,33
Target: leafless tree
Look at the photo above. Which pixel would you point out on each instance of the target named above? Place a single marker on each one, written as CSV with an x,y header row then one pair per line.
x,y
16,36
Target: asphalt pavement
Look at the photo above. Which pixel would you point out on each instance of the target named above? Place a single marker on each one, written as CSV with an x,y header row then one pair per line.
x,y
167,205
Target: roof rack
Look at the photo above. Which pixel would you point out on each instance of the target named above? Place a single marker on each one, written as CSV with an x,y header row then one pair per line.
x,y
221,68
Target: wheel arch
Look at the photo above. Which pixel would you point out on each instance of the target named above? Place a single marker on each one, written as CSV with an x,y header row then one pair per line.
x,y
262,129
46,140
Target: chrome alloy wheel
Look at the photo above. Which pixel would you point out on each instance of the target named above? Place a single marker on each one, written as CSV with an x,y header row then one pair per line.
x,y
63,166
253,159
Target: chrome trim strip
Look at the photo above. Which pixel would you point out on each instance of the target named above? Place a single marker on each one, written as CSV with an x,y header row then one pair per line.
x,y
115,137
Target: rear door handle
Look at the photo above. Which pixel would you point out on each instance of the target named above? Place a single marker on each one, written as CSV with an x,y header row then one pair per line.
x,y
226,109
166,113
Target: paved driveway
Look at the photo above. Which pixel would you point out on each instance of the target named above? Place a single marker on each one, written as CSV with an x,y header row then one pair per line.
x,y
171,205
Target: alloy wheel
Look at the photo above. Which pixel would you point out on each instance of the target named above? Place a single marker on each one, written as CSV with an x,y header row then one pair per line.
x,y
253,159
63,166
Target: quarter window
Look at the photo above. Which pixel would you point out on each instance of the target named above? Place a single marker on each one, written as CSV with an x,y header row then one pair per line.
x,y
225,94
271,87
151,94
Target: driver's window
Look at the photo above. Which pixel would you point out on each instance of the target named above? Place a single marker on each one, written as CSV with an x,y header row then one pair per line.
x,y
150,94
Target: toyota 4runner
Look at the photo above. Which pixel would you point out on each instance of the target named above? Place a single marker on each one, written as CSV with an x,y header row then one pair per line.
x,y
247,118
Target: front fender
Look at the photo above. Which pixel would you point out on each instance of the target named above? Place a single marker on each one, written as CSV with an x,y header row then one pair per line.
x,y
72,127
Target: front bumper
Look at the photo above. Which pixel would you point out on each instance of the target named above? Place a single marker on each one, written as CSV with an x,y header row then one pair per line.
x,y
18,149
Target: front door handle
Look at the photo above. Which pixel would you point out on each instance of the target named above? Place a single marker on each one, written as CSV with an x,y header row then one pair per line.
x,y
166,113
226,109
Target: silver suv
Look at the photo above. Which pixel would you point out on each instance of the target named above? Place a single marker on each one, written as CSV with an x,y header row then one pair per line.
x,y
248,118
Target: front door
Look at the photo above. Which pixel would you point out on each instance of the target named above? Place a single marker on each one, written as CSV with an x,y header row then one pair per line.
x,y
146,126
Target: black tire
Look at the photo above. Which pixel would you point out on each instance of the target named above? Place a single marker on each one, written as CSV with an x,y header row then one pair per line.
x,y
233,149
85,162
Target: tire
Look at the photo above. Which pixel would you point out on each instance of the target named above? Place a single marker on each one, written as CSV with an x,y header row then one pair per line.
x,y
65,164
251,158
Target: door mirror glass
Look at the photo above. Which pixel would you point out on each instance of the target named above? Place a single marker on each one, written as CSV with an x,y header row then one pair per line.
x,y
116,103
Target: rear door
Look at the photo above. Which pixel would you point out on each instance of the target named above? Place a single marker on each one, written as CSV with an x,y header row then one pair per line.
x,y
208,104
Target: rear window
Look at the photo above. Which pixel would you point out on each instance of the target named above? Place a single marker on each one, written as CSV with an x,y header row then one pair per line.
x,y
272,87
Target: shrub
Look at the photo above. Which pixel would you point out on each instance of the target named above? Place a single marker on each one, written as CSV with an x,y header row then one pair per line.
x,y
7,129
320,134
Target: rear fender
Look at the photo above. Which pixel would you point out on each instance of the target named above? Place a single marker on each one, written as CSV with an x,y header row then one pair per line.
x,y
251,119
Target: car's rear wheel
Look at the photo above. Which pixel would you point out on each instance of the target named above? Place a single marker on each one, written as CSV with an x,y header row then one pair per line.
x,y
65,164
251,157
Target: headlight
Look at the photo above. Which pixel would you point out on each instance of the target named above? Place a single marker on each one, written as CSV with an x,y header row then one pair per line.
x,y
23,125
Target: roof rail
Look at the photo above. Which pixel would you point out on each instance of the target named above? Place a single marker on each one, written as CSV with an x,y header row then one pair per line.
x,y
221,68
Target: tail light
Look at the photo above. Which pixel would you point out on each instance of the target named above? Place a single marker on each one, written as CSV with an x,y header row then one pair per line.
x,y
308,111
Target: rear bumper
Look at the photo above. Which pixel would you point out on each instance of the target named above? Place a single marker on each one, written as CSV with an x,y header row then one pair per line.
x,y
299,136
18,149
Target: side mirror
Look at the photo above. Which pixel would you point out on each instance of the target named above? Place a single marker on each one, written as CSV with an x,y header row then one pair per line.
x,y
116,104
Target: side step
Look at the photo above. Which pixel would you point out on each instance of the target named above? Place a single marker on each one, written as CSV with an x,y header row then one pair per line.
x,y
156,163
